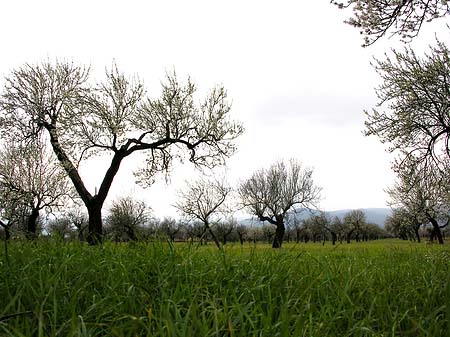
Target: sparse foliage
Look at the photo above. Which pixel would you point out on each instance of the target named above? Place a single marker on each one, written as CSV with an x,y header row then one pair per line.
x,y
125,218
423,191
170,227
115,117
202,200
30,181
375,18
270,193
414,95
355,221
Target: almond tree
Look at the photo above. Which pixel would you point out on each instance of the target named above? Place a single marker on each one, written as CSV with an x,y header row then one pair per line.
x,y
424,192
202,200
115,117
413,115
32,180
271,193
355,221
170,227
126,216
374,18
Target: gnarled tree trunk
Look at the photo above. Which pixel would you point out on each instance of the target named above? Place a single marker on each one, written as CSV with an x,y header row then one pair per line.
x,y
32,224
95,228
279,235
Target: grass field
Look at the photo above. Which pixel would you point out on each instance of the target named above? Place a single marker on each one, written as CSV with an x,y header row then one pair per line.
x,y
384,288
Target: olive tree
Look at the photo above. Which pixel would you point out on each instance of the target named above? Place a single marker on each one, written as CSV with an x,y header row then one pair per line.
x,y
32,180
374,18
271,193
202,200
413,97
118,119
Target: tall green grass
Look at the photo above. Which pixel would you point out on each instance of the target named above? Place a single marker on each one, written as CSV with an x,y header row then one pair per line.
x,y
371,289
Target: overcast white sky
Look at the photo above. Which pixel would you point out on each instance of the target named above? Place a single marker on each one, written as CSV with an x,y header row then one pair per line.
x,y
296,74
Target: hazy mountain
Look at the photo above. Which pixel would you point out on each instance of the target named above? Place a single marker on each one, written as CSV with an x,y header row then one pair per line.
x,y
373,215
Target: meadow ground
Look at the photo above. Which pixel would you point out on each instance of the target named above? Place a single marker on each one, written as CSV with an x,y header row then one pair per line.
x,y
382,288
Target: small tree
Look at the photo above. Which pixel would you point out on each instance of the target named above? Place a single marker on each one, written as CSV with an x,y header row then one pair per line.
x,y
79,220
115,118
126,216
404,17
224,229
242,231
355,220
61,228
170,227
270,193
202,200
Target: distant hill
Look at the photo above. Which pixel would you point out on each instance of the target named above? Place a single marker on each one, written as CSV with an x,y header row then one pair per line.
x,y
373,215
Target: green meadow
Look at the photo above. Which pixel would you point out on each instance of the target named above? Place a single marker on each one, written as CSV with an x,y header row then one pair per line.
x,y
380,288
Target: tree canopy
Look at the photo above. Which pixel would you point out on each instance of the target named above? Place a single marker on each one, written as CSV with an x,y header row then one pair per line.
x,y
31,181
116,117
375,18
413,113
270,193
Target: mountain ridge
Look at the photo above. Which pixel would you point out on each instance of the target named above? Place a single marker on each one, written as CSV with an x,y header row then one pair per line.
x,y
376,215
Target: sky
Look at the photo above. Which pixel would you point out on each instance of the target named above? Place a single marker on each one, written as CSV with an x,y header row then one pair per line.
x,y
297,77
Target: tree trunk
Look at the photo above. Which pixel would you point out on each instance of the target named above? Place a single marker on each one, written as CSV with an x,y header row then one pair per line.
x,y
416,231
131,233
93,204
7,228
437,230
95,228
333,238
279,235
32,224
212,234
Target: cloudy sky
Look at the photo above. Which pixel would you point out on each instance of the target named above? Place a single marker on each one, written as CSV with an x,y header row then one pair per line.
x,y
297,76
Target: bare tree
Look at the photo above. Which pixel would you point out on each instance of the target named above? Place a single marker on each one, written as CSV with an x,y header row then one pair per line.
x,y
403,18
170,227
414,94
202,200
31,178
61,228
126,216
270,193
242,231
115,117
355,221
224,229
79,220
196,229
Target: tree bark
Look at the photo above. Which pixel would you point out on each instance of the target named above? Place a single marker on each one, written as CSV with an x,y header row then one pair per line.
x,y
333,238
95,228
416,231
31,224
279,235
241,238
437,230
